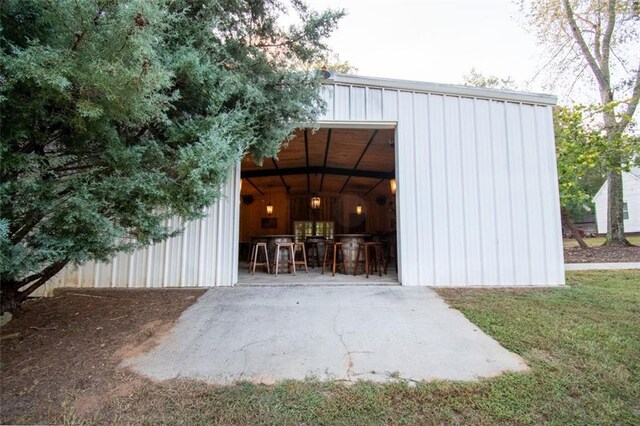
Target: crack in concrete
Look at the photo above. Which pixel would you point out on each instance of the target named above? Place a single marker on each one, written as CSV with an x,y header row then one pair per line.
x,y
348,353
246,359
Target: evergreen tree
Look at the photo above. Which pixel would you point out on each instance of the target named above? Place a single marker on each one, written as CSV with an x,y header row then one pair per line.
x,y
117,114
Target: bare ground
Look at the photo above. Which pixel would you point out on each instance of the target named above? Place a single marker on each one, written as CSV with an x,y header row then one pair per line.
x,y
59,357
601,254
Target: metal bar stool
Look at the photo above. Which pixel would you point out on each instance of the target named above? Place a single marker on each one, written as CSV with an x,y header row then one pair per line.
x,y
333,248
290,261
255,256
302,262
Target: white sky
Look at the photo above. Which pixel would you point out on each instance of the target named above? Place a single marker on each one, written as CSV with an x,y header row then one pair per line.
x,y
436,40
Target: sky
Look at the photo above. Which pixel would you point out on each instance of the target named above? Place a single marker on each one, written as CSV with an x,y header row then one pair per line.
x,y
437,40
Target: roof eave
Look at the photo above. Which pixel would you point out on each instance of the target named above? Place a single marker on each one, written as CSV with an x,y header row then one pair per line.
x,y
444,89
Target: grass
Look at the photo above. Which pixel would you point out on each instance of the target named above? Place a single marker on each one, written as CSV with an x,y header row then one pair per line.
x,y
582,343
598,241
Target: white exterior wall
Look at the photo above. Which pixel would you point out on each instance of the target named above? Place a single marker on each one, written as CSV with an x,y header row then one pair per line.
x,y
477,194
630,195
204,255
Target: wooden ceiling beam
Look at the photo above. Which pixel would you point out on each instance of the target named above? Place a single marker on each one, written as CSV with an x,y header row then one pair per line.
x,y
306,154
326,154
373,135
374,187
254,185
275,164
316,169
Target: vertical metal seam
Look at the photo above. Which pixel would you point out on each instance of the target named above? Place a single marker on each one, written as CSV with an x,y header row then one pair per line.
x,y
545,226
415,181
199,279
525,194
430,152
495,192
509,191
446,186
464,206
478,192
131,265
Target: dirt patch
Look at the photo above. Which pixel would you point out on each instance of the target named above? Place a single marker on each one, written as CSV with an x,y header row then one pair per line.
x,y
63,352
601,254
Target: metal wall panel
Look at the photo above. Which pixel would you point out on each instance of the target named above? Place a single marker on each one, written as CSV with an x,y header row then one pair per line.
x,y
477,200
204,255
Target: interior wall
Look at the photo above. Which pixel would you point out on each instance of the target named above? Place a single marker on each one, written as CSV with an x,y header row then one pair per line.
x,y
337,207
251,216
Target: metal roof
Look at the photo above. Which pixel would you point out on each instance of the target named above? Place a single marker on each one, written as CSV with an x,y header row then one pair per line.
x,y
444,89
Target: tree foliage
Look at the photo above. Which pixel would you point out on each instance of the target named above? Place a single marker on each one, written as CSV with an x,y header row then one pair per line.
x,y
117,114
584,153
599,41
477,79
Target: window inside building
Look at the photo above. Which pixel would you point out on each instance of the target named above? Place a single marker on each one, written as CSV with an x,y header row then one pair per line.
x,y
305,228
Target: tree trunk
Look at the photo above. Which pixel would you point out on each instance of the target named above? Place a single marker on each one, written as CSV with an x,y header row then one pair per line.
x,y
10,297
574,231
615,215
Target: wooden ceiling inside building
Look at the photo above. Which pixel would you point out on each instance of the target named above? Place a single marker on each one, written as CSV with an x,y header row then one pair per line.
x,y
327,161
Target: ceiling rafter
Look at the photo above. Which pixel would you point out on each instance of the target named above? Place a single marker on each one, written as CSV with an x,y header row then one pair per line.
x,y
306,154
373,135
316,169
254,185
275,164
326,154
374,187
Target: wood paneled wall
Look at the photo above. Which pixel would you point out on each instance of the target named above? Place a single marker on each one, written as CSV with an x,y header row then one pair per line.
x,y
337,207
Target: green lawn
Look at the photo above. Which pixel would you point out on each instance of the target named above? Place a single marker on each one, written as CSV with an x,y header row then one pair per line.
x,y
597,241
582,343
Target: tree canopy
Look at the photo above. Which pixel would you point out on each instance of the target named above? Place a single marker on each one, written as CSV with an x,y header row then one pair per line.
x,y
598,42
116,115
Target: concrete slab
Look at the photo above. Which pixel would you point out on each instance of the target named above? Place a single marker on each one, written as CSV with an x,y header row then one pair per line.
x,y
269,334
314,277
601,266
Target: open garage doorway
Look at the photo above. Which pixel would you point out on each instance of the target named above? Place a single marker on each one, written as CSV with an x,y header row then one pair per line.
x,y
331,185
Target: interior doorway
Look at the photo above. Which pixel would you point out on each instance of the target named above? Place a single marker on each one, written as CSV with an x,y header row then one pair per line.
x,y
330,185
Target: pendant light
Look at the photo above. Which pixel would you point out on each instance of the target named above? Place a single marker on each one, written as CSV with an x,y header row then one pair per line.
x,y
315,202
269,209
392,184
359,209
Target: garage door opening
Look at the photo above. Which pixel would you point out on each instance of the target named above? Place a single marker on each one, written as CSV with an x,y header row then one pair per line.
x,y
325,186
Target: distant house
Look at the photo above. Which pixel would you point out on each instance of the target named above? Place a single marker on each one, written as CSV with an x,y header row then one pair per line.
x,y
631,200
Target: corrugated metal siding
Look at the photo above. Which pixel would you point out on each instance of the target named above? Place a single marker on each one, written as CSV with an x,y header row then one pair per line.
x,y
477,192
204,255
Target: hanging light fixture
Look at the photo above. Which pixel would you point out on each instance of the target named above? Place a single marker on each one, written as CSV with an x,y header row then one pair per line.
x,y
269,209
392,184
359,209
315,202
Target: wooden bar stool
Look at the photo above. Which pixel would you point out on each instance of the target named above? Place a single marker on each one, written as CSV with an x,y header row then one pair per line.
x,y
291,263
302,262
391,256
333,248
370,250
255,257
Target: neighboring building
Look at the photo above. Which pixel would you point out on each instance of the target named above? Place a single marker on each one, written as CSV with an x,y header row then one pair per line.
x,y
630,198
477,190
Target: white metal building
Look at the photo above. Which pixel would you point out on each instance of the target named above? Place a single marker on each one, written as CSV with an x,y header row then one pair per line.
x,y
477,195
630,198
